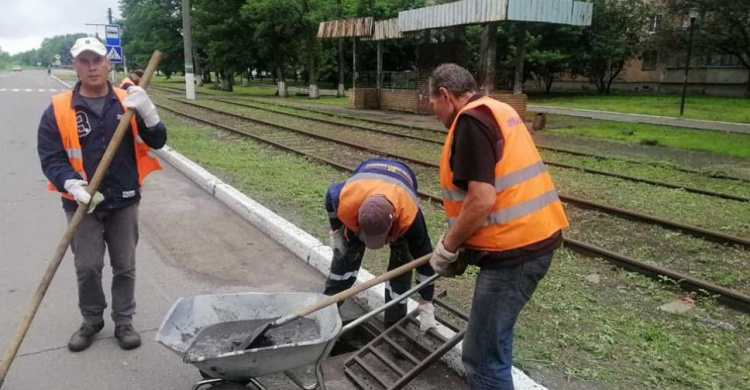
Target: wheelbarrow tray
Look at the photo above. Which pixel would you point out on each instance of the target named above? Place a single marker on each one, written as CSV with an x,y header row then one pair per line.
x,y
189,315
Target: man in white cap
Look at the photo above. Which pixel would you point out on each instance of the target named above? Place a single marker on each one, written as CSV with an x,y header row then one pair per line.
x,y
72,137
376,206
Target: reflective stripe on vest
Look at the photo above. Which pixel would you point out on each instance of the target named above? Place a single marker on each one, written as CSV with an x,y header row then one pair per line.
x,y
365,184
503,182
65,116
527,208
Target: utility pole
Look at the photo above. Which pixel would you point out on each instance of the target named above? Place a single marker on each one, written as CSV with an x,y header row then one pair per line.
x,y
113,70
693,16
189,75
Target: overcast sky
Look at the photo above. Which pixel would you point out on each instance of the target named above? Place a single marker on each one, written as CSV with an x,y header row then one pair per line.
x,y
25,23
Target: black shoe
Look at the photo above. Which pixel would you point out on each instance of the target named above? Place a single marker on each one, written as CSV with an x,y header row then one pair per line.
x,y
127,337
84,337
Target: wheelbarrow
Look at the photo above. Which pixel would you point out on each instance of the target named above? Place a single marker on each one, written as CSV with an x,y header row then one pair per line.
x,y
188,316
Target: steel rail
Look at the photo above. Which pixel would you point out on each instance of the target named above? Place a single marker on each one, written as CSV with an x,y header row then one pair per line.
x,y
551,163
707,234
730,297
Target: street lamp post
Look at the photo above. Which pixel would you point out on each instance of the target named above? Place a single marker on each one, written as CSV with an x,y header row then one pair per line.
x,y
693,16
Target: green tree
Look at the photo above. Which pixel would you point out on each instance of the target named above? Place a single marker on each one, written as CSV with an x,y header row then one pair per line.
x,y
615,36
225,35
276,29
149,25
550,51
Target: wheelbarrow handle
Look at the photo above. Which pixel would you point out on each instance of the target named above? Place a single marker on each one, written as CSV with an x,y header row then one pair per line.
x,y
353,291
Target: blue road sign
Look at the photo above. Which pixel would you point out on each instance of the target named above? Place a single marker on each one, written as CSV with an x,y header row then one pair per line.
x,y
112,35
114,53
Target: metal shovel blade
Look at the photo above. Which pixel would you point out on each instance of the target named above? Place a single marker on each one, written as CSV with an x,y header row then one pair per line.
x,y
258,332
223,337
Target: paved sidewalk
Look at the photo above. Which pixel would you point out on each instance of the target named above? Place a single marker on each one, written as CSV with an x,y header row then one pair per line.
x,y
649,119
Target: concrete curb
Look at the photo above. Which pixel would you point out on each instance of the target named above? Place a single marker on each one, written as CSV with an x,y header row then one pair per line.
x,y
306,247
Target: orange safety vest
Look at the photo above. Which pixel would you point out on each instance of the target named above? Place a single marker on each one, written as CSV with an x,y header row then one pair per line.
x,y
65,116
527,209
365,184
127,80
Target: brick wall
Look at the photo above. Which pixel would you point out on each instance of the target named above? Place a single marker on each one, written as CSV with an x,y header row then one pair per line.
x,y
417,101
518,102
399,100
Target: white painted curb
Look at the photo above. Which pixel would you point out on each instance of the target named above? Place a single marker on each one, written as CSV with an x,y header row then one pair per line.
x,y
306,247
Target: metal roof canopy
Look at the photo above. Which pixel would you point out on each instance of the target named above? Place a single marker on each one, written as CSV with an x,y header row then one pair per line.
x,y
346,28
466,12
459,13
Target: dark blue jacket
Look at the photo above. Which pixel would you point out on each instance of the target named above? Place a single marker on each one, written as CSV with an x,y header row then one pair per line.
x,y
417,236
120,185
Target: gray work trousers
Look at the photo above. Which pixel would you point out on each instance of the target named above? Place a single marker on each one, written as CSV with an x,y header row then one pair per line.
x,y
117,230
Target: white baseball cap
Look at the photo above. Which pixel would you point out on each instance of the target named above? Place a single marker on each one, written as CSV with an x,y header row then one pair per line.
x,y
88,44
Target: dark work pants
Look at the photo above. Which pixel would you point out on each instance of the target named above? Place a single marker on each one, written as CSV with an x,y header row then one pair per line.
x,y
499,296
345,268
117,231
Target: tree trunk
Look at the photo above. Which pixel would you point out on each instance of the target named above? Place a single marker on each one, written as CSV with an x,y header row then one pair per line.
x,y
520,55
246,78
548,83
313,92
340,90
283,92
230,82
487,58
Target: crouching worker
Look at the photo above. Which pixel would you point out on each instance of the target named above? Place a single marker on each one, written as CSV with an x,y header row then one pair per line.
x,y
378,205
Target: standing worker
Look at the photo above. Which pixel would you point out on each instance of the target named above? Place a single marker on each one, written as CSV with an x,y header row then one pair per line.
x,y
378,205
133,79
73,135
503,214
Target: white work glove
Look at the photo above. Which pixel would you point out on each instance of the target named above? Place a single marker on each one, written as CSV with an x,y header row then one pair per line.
x,y
442,260
426,316
138,100
338,242
77,188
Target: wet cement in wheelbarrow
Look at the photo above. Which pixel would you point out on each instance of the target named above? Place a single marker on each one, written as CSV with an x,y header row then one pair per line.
x,y
227,336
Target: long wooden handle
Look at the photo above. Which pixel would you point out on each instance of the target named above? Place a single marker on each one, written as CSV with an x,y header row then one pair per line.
x,y
62,247
353,291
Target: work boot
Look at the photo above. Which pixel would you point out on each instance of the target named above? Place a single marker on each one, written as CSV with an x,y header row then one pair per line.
x,y
84,337
127,337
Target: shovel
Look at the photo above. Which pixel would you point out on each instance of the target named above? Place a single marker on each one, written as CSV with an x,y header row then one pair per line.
x,y
280,321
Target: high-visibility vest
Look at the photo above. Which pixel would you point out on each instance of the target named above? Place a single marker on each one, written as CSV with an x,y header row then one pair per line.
x,y
127,80
527,208
396,186
65,116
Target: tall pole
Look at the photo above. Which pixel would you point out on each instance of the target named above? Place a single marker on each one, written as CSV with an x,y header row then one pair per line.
x,y
189,75
113,70
379,82
687,65
354,64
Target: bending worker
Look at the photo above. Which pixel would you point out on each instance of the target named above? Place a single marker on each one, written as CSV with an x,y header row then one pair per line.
x,y
378,205
72,137
503,213
133,79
